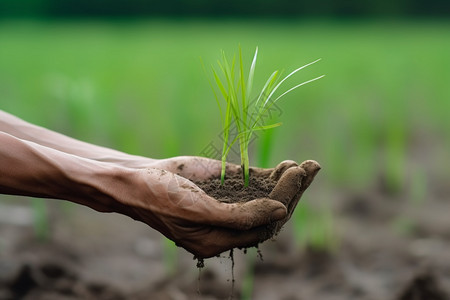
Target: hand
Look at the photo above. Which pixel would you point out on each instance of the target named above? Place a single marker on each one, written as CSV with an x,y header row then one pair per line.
x,y
180,210
41,163
288,191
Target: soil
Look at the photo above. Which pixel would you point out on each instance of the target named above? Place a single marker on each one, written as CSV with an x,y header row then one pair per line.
x,y
233,190
423,286
388,247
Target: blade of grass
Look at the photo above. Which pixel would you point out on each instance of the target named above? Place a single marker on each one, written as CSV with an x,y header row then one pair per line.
x,y
41,219
242,83
265,108
226,121
267,85
251,74
219,83
214,92
297,86
284,79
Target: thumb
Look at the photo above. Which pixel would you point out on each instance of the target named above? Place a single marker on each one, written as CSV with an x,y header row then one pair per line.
x,y
247,215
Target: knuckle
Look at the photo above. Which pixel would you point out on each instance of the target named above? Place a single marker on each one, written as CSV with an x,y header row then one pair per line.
x,y
282,168
288,162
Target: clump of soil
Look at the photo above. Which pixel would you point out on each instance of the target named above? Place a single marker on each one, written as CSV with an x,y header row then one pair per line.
x,y
423,287
52,281
233,190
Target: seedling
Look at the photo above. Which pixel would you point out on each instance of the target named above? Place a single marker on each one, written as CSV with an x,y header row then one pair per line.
x,y
235,88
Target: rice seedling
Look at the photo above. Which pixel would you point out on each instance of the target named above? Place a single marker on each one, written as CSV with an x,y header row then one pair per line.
x,y
248,281
41,219
235,87
170,256
314,228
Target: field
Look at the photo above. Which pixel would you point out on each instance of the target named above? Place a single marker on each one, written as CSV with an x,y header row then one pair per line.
x,y
378,123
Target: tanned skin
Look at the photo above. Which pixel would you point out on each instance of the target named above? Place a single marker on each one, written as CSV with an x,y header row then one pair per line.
x,y
38,162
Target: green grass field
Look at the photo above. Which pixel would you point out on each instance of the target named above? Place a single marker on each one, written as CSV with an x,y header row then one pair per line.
x,y
139,87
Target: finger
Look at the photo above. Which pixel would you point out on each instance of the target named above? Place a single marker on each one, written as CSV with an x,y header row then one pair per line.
x,y
311,169
281,168
244,216
288,186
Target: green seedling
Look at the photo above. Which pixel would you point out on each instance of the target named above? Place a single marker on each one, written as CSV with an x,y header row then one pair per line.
x,y
235,88
41,219
170,256
314,228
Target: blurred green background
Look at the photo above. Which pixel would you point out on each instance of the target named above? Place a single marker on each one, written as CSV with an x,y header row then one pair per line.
x,y
128,75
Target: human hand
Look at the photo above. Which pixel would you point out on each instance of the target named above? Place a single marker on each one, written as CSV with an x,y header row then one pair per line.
x,y
41,163
288,191
180,210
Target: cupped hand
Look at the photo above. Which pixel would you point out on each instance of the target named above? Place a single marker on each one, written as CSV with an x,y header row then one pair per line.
x,y
290,185
167,200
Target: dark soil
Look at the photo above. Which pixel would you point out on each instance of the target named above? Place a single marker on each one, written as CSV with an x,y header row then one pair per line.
x,y
424,286
48,280
233,190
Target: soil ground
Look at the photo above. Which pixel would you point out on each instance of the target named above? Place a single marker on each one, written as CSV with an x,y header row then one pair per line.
x,y
389,248
233,191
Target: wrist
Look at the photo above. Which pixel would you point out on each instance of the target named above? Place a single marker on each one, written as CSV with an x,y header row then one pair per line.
x,y
30,169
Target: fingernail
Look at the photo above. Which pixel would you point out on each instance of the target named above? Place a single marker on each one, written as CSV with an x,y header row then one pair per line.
x,y
278,214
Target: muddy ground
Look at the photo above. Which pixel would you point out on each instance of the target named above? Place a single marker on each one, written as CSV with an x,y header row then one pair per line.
x,y
389,247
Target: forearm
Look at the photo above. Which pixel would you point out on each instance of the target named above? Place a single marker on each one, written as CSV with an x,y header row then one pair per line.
x,y
29,169
29,132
